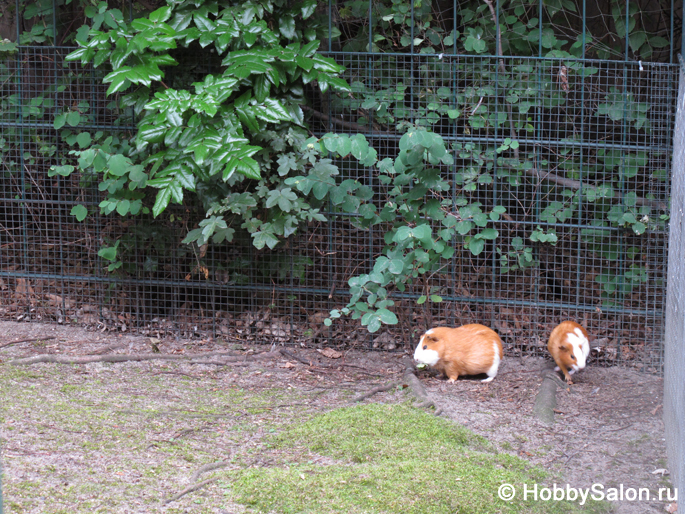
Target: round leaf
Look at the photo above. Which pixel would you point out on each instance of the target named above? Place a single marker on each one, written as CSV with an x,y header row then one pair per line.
x,y
79,211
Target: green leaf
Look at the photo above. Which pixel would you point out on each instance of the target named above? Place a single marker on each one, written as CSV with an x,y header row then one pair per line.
x,y
123,207
326,64
402,234
73,118
79,211
160,15
60,121
396,266
261,239
118,165
161,202
387,317
476,246
261,88
488,233
307,8
84,139
247,166
422,233
117,84
109,253
286,25
152,133
64,171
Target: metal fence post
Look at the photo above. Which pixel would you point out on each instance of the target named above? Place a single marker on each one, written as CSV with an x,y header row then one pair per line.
x,y
674,348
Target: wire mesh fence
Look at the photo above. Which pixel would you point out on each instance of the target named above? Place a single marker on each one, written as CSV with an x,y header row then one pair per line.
x,y
583,235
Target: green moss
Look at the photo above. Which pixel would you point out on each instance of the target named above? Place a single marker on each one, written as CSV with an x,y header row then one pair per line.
x,y
390,458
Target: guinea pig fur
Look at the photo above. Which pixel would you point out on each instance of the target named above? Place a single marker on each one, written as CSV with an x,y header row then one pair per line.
x,y
569,345
467,350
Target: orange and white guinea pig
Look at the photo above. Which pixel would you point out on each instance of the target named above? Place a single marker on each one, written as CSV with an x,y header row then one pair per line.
x,y
569,345
467,350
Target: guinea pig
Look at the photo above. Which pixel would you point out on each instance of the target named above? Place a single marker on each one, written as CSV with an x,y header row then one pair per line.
x,y
467,350
569,345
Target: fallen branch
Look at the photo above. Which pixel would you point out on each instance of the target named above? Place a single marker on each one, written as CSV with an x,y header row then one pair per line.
x,y
86,359
190,490
31,340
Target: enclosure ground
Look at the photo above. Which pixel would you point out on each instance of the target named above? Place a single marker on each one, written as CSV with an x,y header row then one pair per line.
x,y
130,436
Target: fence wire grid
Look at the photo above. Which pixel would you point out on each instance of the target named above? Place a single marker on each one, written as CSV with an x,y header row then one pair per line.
x,y
598,134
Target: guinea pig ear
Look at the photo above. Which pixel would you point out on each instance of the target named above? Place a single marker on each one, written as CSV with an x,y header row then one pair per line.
x,y
432,339
563,347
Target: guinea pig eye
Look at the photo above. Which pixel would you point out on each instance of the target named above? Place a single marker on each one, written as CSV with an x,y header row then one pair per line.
x,y
573,357
425,347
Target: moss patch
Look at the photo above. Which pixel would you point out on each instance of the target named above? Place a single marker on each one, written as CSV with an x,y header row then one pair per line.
x,y
391,458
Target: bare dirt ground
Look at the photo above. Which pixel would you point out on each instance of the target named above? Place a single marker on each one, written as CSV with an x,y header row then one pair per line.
x,y
608,428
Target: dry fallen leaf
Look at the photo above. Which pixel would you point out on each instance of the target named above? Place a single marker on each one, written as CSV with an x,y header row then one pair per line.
x,y
672,508
330,353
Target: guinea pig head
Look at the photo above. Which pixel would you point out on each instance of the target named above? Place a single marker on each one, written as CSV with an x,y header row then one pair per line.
x,y
574,342
576,339
426,351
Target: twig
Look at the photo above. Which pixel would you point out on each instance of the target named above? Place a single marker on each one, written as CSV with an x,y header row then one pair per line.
x,y
285,352
576,453
621,428
576,184
342,123
31,340
190,490
177,373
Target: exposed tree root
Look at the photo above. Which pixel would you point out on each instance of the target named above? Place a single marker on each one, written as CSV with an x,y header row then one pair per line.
x,y
198,485
106,349
190,489
209,467
546,399
232,358
408,379
419,391
375,390
30,340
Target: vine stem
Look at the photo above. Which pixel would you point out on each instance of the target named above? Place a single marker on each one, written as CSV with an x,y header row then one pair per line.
x,y
503,69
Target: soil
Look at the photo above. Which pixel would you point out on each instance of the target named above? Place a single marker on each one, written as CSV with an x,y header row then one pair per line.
x,y
608,428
